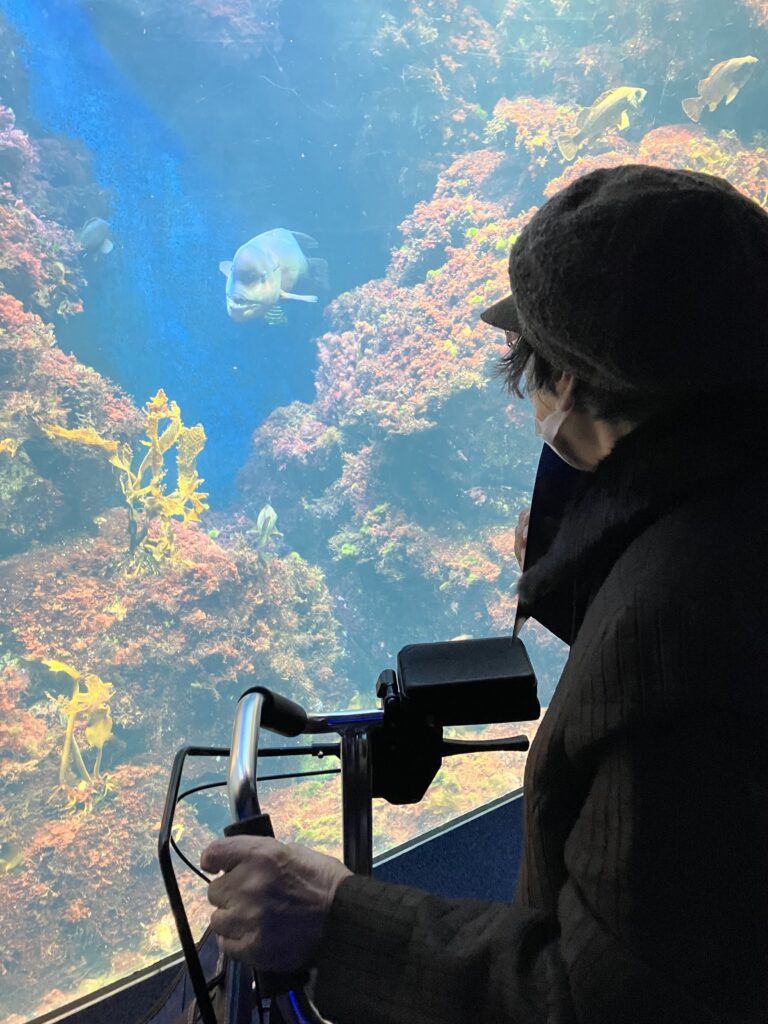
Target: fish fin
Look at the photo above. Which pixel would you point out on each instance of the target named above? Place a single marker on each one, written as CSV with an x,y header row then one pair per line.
x,y
582,118
694,107
713,106
567,146
300,298
318,271
732,94
106,246
305,241
623,120
225,267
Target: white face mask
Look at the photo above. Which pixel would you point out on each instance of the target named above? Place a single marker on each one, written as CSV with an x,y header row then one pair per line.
x,y
548,428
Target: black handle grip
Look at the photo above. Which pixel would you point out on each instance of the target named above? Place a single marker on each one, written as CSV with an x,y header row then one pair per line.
x,y
271,984
279,714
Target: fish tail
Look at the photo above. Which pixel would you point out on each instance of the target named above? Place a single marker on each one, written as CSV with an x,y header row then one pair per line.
x,y
693,107
318,271
567,146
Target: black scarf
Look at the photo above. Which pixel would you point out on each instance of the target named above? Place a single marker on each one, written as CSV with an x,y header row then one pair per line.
x,y
707,444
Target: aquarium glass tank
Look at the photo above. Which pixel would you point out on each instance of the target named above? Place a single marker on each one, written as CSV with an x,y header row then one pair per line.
x,y
250,430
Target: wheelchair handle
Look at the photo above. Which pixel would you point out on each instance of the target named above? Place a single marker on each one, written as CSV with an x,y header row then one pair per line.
x,y
258,707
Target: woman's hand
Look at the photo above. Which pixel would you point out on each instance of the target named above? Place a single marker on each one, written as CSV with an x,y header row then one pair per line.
x,y
521,536
273,899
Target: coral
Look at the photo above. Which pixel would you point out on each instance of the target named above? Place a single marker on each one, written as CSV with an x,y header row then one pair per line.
x,y
410,460
432,228
24,737
38,258
475,171
530,123
178,647
724,154
19,162
51,176
212,618
442,62
295,432
77,887
43,489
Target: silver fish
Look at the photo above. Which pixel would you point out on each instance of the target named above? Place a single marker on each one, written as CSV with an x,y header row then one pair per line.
x,y
94,237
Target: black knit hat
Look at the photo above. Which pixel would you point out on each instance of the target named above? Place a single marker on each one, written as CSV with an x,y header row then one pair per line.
x,y
640,278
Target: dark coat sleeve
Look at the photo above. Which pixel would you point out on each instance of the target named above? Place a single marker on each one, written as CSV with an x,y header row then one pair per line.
x,y
659,902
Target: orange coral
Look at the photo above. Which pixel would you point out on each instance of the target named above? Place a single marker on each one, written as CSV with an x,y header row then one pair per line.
x,y
530,123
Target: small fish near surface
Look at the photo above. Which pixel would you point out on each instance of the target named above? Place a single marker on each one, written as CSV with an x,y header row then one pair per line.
x,y
608,111
265,269
724,82
94,237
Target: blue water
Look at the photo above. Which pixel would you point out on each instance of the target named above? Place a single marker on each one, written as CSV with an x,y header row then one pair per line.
x,y
154,312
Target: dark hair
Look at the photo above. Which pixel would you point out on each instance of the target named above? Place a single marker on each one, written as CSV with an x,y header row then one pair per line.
x,y
523,361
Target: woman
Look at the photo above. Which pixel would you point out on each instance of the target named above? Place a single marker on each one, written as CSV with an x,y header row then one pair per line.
x,y
639,318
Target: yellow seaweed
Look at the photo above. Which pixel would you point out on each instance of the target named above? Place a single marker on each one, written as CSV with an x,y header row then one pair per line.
x,y
9,445
144,488
82,435
93,703
60,666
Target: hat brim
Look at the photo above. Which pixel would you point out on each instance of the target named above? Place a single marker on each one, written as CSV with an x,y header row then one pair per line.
x,y
503,314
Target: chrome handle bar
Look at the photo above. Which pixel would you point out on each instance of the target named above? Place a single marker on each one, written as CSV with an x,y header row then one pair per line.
x,y
353,727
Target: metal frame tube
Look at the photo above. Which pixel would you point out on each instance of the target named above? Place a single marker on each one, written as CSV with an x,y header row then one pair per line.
x,y
356,799
241,774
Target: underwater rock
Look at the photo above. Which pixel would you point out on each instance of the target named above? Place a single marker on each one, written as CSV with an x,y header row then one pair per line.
x,y
44,489
38,257
221,30
86,878
14,87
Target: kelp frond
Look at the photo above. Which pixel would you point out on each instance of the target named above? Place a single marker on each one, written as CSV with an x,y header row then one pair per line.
x,y
144,487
